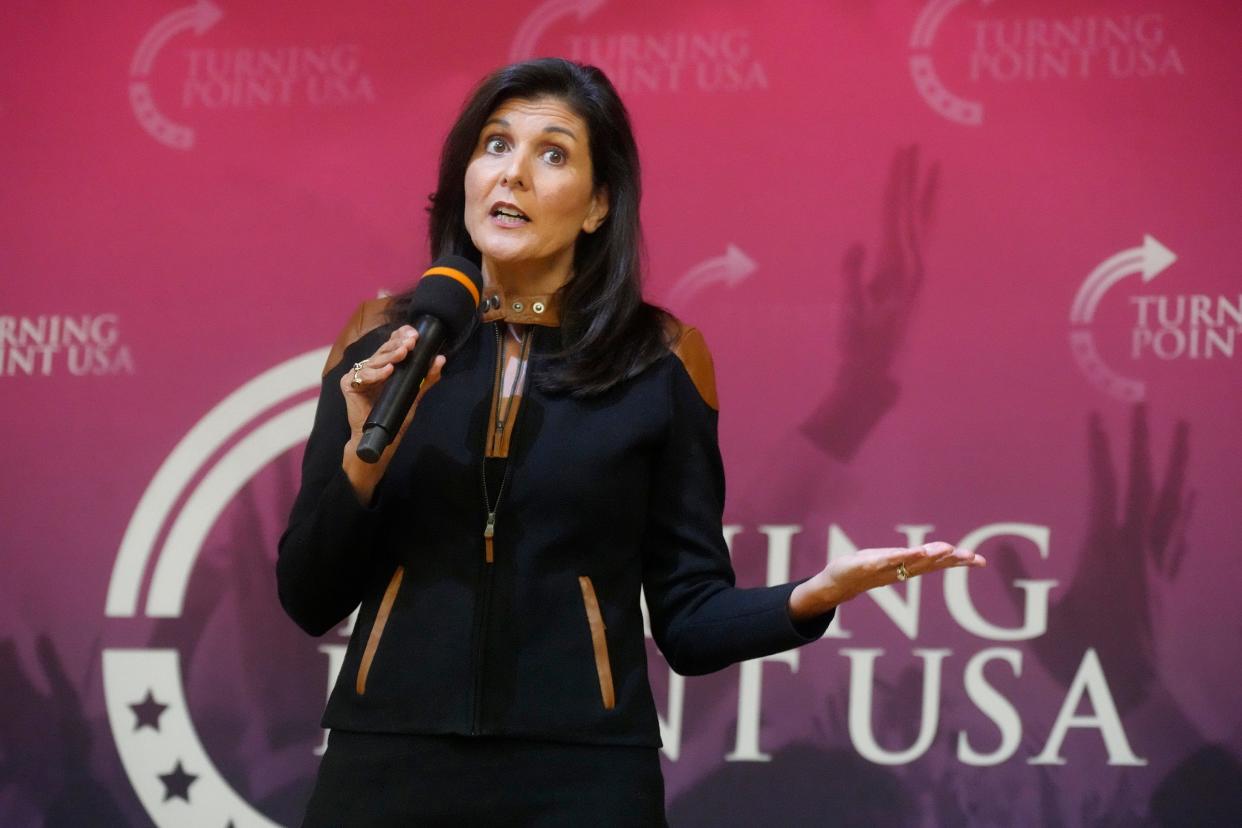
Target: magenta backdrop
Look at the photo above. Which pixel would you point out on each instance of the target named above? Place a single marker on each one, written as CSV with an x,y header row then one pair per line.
x,y
968,270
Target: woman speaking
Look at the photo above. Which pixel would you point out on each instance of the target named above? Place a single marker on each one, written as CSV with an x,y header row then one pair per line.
x,y
558,467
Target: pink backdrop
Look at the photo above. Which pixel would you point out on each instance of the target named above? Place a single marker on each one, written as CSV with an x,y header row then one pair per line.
x,y
967,270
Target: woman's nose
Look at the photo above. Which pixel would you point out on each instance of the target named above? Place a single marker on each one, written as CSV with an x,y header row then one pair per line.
x,y
514,176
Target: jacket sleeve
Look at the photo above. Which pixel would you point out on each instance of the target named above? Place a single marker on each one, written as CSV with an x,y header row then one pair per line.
x,y
701,621
327,554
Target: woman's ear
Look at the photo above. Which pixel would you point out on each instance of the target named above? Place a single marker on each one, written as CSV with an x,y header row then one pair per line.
x,y
599,210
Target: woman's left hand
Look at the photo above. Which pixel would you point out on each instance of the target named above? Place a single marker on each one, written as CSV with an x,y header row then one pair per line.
x,y
844,578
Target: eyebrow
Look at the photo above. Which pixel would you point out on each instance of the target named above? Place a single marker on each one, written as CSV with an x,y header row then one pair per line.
x,y
507,125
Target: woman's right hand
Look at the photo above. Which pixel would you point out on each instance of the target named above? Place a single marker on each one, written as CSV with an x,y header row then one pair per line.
x,y
360,398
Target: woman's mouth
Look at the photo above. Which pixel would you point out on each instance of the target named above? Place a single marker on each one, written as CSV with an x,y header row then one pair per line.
x,y
507,215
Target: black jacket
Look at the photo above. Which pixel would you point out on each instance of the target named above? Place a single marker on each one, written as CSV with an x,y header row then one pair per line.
x,y
606,496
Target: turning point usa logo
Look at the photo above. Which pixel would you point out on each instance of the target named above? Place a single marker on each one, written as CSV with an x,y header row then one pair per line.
x,y
675,60
271,76
1022,49
49,344
1163,326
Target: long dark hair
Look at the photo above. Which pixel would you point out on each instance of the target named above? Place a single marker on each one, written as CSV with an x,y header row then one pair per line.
x,y
608,334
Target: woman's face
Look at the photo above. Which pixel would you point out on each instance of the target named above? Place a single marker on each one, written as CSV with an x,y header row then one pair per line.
x,y
530,189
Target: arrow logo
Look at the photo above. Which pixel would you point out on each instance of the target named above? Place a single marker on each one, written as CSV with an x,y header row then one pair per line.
x,y
729,269
197,18
1150,261
200,17
538,21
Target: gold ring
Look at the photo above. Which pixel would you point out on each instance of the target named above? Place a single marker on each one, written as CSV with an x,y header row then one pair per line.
x,y
901,571
358,366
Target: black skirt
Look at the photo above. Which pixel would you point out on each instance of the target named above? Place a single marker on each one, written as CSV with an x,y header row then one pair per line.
x,y
382,779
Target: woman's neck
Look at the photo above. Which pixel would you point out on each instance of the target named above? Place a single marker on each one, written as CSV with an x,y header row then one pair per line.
x,y
528,278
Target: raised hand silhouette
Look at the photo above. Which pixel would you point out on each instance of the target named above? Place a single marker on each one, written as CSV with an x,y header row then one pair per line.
x,y
47,740
877,311
1125,562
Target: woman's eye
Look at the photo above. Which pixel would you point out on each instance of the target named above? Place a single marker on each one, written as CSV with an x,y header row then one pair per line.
x,y
554,156
495,145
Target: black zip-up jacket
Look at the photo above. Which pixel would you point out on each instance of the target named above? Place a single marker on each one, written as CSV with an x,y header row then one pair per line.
x,y
605,496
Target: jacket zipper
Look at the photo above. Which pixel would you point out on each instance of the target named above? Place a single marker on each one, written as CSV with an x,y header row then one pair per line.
x,y
489,528
501,416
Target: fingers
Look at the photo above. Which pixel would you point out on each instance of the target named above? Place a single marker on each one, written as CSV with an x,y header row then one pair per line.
x,y
913,229
931,557
1139,494
1169,502
365,375
926,210
433,376
941,555
395,349
852,269
894,189
53,668
1103,477
1179,546
379,366
927,201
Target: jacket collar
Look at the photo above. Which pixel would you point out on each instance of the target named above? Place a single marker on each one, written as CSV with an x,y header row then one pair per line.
x,y
542,309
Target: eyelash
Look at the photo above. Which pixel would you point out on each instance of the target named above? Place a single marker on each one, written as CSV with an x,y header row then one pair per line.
x,y
490,146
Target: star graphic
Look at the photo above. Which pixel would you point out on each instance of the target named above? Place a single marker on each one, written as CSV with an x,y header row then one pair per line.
x,y
177,783
148,712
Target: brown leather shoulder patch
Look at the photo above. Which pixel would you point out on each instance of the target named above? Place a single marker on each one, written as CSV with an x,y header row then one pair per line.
x,y
691,348
367,317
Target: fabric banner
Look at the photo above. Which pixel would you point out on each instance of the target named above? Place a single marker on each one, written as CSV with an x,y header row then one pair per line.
x,y
967,272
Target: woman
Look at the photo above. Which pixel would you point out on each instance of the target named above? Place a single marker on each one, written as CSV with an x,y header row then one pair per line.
x,y
561,459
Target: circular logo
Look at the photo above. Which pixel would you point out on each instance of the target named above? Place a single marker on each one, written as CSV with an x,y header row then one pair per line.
x,y
160,749
923,70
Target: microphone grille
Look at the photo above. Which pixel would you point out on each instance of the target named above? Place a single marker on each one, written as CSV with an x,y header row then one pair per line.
x,y
450,290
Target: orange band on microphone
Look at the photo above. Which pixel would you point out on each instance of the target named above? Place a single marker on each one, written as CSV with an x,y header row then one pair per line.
x,y
459,276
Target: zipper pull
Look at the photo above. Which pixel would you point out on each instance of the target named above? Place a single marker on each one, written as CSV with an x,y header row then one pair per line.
x,y
488,532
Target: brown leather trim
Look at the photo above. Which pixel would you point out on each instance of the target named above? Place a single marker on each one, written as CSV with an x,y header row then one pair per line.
x,y
377,629
509,349
366,317
497,379
690,347
599,642
534,309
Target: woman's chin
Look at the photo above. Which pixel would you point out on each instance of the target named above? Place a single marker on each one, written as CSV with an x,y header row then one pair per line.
x,y
499,248
505,255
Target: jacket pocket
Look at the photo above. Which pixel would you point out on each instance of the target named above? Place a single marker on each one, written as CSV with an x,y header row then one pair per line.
x,y
599,642
377,629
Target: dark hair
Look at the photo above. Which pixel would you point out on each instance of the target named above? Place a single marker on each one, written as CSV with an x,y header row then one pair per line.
x,y
608,334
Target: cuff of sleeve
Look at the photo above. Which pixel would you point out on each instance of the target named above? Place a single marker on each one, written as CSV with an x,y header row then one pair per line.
x,y
812,629
340,514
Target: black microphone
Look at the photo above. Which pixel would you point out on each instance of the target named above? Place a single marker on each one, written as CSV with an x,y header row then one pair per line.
x,y
443,306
